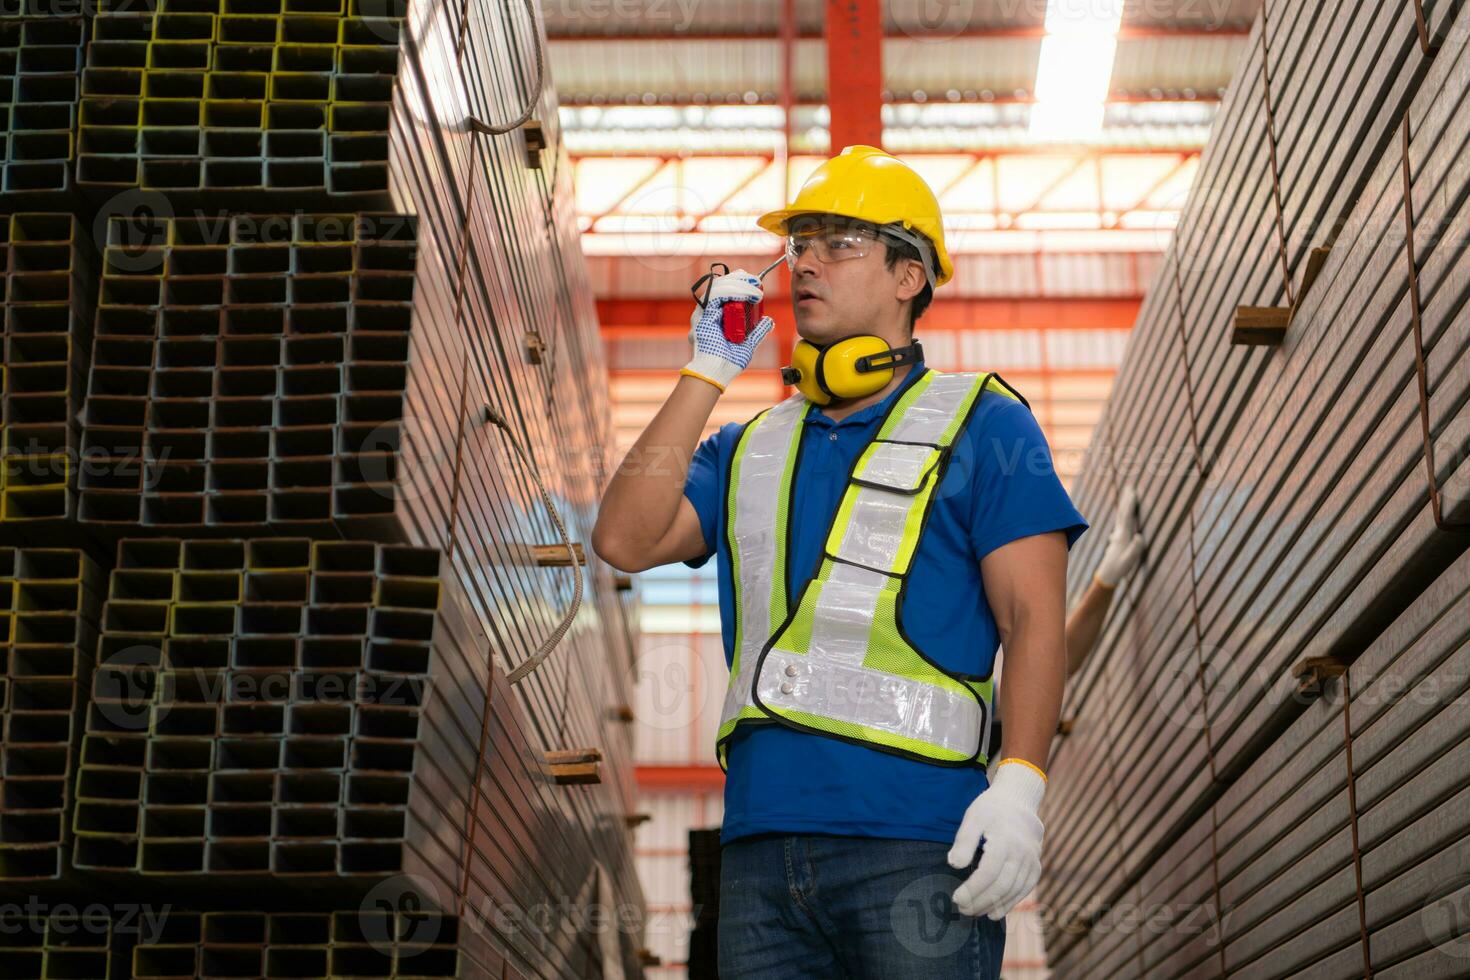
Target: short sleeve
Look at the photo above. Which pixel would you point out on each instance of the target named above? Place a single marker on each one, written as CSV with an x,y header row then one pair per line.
x,y
703,490
1018,493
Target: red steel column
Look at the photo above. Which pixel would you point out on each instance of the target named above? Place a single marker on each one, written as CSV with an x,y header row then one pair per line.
x,y
855,72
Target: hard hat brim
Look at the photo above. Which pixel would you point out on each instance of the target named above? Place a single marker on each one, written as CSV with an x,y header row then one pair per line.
x,y
777,222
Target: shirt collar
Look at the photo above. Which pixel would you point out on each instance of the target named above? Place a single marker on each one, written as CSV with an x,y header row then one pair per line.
x,y
876,410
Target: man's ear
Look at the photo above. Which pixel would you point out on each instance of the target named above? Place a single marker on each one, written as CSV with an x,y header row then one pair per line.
x,y
911,281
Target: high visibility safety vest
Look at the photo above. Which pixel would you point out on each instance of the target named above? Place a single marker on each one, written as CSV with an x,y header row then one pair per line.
x,y
836,662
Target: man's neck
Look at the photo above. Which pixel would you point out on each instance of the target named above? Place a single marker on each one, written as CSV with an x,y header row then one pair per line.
x,y
839,410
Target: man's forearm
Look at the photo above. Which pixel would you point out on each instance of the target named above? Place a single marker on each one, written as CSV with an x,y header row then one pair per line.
x,y
1031,693
642,498
1085,624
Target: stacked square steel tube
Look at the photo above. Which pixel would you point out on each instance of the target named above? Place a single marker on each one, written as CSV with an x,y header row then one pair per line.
x,y
250,371
40,66
47,302
336,944
49,946
178,944
279,100
306,296
256,707
49,601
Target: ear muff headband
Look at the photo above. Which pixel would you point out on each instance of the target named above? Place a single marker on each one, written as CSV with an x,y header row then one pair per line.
x,y
819,373
838,370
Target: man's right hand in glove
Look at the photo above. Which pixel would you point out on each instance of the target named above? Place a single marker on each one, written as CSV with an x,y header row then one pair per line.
x,y
716,359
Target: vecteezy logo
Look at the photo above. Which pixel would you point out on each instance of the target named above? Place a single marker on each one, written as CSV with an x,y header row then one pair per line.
x,y
675,686
924,919
1189,215
937,20
135,240
125,687
400,911
1194,679
1446,920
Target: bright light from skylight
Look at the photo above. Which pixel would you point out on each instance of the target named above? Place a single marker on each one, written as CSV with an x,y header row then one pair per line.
x,y
1075,68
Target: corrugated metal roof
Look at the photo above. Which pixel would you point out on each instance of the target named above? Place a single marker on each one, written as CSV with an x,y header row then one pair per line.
x,y
934,126
726,69
750,70
976,276
1002,65
720,197
1203,64
1085,349
601,17
1195,14
604,17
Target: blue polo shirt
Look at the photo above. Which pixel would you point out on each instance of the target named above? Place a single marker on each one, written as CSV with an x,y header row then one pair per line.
x,y
1000,486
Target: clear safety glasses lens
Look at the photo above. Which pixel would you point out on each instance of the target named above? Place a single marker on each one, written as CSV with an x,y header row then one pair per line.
x,y
829,245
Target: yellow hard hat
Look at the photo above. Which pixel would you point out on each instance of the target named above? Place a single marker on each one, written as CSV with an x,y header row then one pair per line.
x,y
866,184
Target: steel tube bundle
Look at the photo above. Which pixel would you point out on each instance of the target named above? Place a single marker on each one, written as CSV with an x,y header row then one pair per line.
x,y
1287,507
336,341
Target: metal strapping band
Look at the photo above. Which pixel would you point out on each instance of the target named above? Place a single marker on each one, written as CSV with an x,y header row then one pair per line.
x,y
479,770
1421,366
1107,757
1199,648
1347,743
464,374
1275,169
1429,46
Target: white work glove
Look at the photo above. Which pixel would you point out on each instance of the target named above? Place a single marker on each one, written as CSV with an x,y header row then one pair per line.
x,y
1125,544
716,359
1005,818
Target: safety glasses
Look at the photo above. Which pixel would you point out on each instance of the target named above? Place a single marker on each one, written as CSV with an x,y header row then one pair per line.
x,y
830,243
833,241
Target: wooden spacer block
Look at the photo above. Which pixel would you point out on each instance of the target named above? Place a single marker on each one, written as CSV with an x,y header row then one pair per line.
x,y
535,135
623,713
571,767
555,555
623,583
636,819
1065,726
647,957
577,774
533,347
1313,672
1316,259
1260,326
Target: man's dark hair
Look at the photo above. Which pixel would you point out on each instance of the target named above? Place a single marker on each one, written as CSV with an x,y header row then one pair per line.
x,y
898,251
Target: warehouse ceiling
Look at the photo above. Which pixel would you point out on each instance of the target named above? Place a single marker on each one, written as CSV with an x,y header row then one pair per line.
x,y
684,120
755,17
674,113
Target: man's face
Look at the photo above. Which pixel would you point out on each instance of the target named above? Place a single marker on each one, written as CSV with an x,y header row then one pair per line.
x,y
847,294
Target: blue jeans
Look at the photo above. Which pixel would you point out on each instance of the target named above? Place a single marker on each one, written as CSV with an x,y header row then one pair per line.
x,y
861,908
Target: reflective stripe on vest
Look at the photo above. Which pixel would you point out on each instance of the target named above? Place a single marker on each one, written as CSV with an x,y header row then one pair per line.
x,y
839,665
761,474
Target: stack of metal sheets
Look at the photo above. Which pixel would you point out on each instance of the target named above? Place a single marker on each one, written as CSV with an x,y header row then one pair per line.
x,y
1212,809
48,631
346,349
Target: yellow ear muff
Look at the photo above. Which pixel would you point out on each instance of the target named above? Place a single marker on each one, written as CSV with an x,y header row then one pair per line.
x,y
803,373
837,369
823,374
